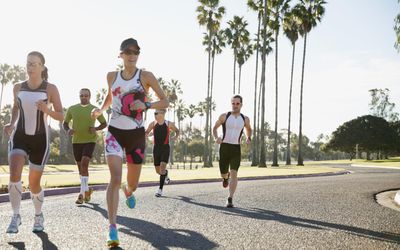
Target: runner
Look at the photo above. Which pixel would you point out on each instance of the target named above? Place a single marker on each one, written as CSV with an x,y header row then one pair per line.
x,y
232,123
34,100
127,95
84,136
161,150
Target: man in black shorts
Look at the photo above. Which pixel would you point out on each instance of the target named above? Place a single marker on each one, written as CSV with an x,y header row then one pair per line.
x,y
161,129
233,124
84,138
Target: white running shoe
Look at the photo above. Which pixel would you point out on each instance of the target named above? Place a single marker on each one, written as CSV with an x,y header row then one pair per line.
x,y
38,225
14,224
167,180
159,193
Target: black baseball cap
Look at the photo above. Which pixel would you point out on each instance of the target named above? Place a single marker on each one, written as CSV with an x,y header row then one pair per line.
x,y
128,42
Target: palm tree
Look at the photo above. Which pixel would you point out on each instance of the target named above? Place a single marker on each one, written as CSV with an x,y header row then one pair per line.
x,y
10,74
308,13
277,9
209,15
259,8
291,31
243,55
218,42
397,30
237,36
264,33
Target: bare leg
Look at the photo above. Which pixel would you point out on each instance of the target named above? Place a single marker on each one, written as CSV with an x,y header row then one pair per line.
x,y
133,177
233,183
115,167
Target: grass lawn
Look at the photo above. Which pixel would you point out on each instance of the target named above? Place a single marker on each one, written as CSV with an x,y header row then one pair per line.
x,y
66,175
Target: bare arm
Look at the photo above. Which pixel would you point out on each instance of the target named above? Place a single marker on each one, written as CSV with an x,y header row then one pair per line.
x,y
149,129
108,100
150,81
54,98
248,130
218,123
172,126
14,111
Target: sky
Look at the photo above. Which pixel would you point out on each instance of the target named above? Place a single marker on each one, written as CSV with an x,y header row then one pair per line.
x,y
348,53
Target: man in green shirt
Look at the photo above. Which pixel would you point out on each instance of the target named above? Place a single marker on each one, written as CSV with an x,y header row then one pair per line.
x,y
84,137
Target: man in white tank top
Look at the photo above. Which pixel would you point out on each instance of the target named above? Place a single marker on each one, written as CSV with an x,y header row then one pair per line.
x,y
233,124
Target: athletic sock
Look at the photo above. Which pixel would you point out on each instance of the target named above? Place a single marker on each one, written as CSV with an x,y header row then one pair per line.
x,y
15,194
84,183
37,200
162,180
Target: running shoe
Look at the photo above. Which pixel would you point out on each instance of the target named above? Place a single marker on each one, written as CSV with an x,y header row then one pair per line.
x,y
79,200
225,182
113,240
88,195
229,203
159,193
14,224
38,225
130,198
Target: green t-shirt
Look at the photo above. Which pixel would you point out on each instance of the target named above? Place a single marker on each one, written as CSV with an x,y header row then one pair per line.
x,y
81,122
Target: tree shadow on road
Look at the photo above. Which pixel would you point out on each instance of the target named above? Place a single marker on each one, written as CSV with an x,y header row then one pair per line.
x,y
158,236
263,214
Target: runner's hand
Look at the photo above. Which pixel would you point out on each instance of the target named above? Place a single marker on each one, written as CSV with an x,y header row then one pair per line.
x,y
8,129
92,130
96,113
70,132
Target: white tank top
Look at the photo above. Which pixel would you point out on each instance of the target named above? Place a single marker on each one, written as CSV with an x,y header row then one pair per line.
x,y
31,121
233,128
124,93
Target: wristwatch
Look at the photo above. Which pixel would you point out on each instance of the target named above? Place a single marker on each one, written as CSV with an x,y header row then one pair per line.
x,y
148,105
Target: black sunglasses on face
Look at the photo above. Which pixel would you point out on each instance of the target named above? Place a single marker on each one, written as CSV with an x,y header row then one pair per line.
x,y
237,103
84,95
129,52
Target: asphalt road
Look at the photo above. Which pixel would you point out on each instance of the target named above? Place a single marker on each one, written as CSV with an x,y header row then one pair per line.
x,y
334,212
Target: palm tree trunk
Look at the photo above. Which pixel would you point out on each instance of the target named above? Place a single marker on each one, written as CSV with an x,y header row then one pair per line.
x,y
288,153
275,154
300,155
240,76
1,95
234,71
262,162
205,154
254,159
210,159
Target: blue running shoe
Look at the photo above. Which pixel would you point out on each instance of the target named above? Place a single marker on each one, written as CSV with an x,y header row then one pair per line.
x,y
113,240
131,201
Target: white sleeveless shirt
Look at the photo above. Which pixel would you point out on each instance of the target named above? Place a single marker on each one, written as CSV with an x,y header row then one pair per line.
x,y
233,128
124,93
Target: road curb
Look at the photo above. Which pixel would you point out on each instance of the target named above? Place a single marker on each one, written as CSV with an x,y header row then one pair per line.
x,y
70,190
388,199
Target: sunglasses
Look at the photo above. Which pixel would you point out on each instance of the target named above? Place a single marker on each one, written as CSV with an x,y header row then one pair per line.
x,y
129,52
84,95
236,103
156,113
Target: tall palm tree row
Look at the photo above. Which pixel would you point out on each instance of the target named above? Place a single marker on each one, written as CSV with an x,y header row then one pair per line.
x,y
244,54
278,8
291,31
237,37
308,13
209,15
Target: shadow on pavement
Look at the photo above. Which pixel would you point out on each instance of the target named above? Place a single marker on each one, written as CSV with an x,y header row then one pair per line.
x,y
17,245
158,236
46,243
262,214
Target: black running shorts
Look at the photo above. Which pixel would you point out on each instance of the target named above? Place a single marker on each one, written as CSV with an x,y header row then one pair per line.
x,y
229,157
161,154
